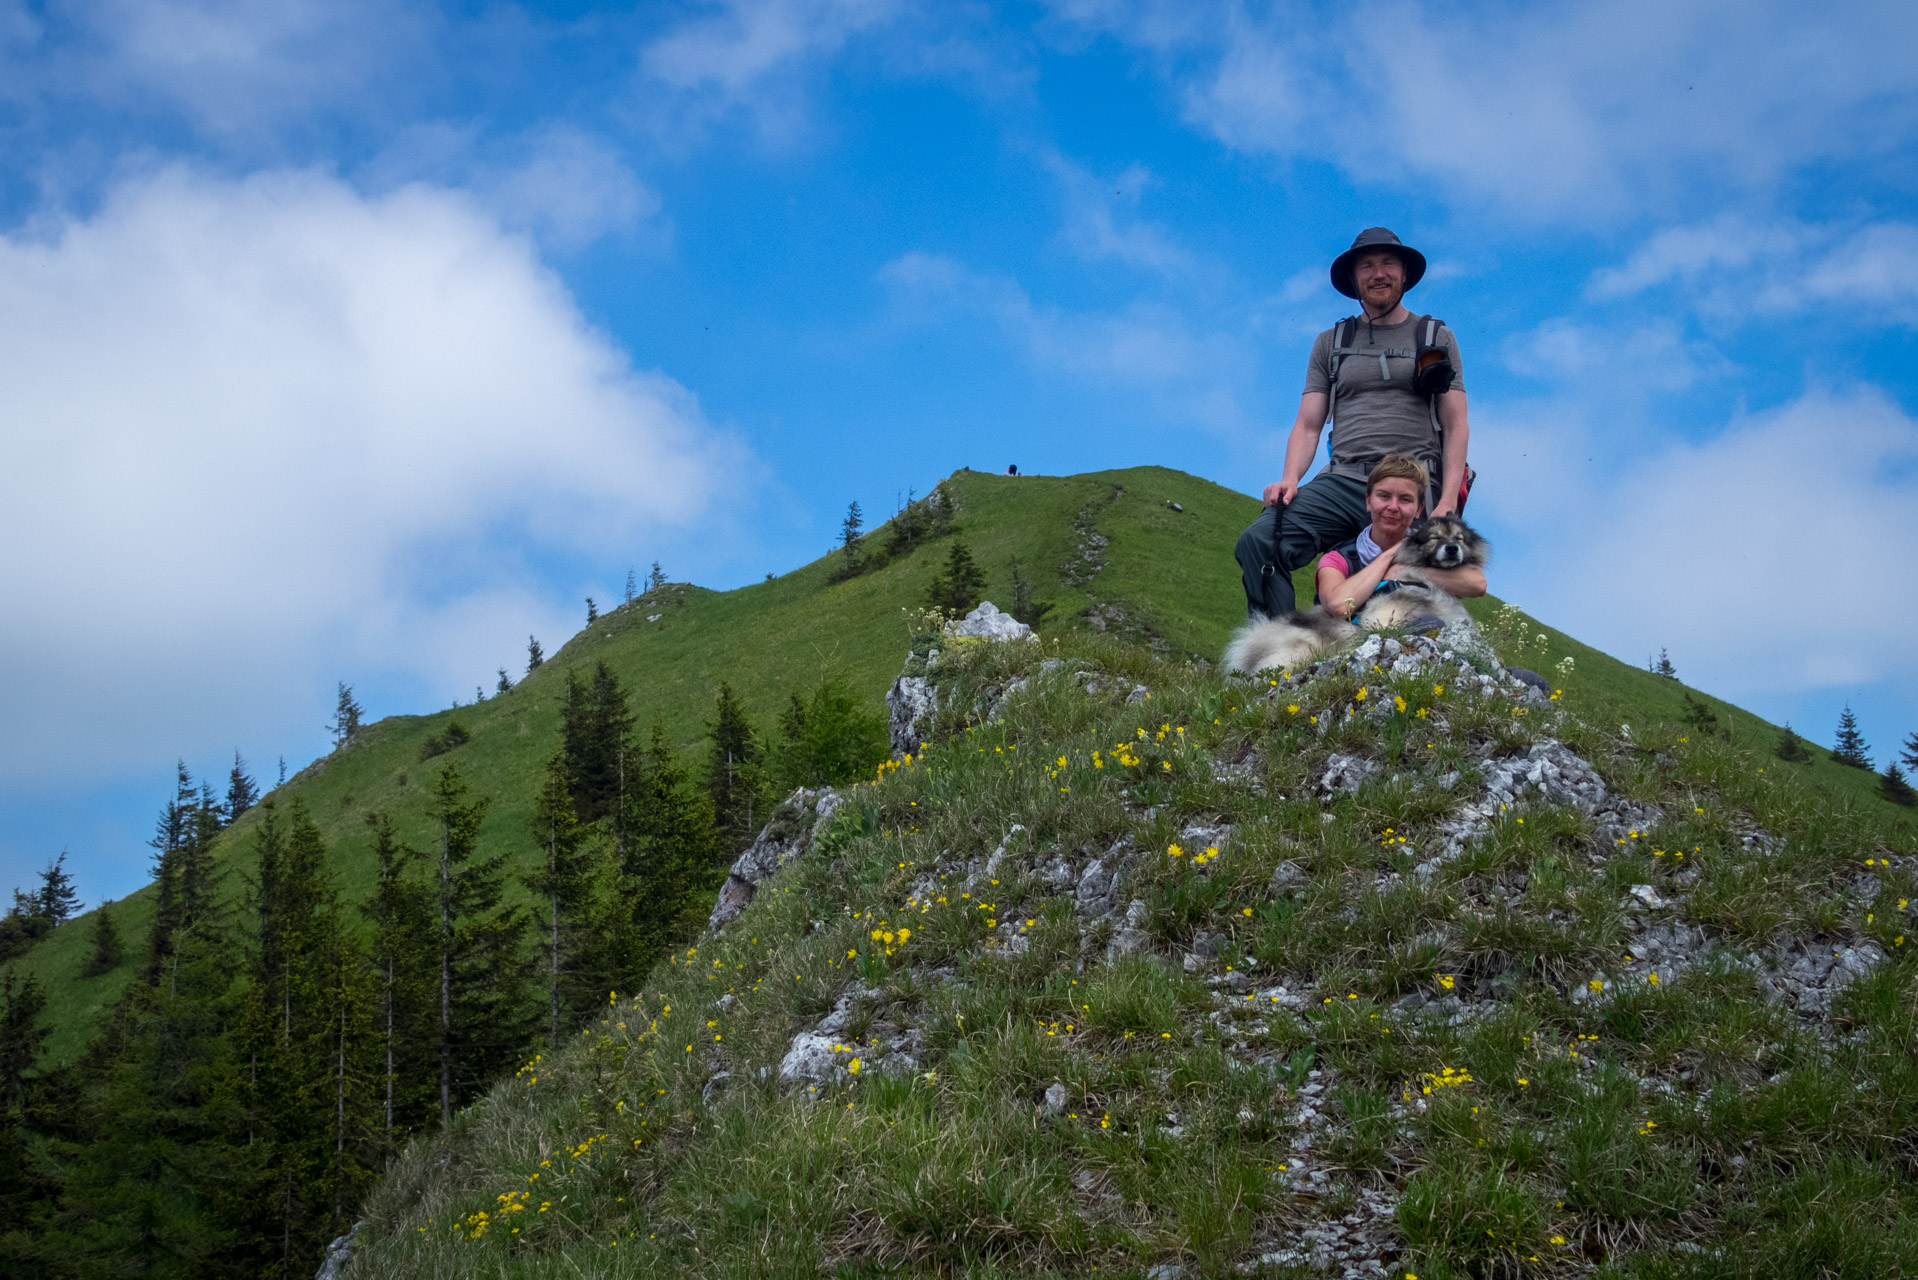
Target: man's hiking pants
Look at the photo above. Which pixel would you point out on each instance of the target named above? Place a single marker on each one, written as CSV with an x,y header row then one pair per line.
x,y
1327,511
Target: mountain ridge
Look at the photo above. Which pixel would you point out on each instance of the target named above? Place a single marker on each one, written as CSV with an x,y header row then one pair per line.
x,y
1140,552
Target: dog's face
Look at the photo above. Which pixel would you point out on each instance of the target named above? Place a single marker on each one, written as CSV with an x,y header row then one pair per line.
x,y
1443,542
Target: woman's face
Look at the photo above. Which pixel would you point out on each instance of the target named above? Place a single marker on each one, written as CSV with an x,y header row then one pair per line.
x,y
1393,504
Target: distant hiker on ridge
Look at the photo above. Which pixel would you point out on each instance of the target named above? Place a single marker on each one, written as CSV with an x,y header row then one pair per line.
x,y
1391,382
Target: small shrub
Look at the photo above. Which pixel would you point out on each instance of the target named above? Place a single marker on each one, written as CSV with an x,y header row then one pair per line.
x,y
438,744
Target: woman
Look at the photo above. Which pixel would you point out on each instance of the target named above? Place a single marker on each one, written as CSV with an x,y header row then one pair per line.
x,y
1352,574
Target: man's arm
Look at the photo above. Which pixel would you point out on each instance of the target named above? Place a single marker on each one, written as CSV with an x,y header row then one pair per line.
x,y
1458,433
1300,447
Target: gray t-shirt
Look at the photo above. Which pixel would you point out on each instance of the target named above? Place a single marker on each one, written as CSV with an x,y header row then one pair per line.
x,y
1373,414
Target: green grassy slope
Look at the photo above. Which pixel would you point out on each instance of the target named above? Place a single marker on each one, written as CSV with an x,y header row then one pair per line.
x,y
1387,1027
1164,576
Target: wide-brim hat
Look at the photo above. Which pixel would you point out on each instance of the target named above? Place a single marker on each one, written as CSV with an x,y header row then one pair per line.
x,y
1375,238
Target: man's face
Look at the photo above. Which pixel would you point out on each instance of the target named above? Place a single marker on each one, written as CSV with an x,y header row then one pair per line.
x,y
1380,277
1393,503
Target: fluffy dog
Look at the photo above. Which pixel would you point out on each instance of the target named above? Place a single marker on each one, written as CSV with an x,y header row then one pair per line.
x,y
1293,639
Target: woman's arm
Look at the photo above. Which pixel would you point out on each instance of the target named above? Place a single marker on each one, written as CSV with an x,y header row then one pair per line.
x,y
1343,596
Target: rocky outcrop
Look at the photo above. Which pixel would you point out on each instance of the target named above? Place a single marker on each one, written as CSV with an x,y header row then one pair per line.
x,y
912,700
788,835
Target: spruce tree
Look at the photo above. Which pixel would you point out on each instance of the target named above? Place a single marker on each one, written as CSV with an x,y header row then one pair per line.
x,y
596,728
1851,748
1699,715
533,655
632,586
351,1079
1663,666
592,611
291,1006
402,954
574,975
160,1174
107,950
30,1184
21,1036
346,717
483,1014
1893,786
1791,747
57,898
505,684
656,578
851,545
241,793
959,589
908,526
667,870
171,835
1909,755
735,776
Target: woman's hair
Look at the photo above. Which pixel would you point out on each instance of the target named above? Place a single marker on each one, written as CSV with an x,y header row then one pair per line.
x,y
1397,466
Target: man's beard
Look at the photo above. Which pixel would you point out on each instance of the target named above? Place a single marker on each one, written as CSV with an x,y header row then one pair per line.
x,y
1387,307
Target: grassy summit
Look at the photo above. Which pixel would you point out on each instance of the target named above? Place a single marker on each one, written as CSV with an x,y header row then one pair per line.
x,y
1141,969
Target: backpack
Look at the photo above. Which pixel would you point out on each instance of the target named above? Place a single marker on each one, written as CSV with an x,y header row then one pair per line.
x,y
1432,373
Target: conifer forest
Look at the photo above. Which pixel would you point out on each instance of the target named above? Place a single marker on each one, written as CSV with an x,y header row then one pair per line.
x,y
282,1041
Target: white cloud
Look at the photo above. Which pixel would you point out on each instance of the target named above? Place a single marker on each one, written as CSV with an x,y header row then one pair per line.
x,y
1615,364
1763,558
233,66
750,56
570,189
566,186
266,433
1569,111
1733,267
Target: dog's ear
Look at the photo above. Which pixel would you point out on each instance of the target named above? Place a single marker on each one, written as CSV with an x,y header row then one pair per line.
x,y
1417,526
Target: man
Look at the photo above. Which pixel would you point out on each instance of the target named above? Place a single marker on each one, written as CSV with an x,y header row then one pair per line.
x,y
1371,389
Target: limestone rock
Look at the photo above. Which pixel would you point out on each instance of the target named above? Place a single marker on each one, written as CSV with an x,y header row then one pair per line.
x,y
909,702
988,623
788,835
338,1254
1348,773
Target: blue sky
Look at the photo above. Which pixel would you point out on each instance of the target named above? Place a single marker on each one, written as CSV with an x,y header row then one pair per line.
x,y
356,341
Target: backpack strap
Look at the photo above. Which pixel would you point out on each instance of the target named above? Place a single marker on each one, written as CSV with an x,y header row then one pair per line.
x,y
1427,333
1342,334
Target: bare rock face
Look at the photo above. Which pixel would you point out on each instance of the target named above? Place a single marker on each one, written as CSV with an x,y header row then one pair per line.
x,y
338,1254
788,835
909,702
988,623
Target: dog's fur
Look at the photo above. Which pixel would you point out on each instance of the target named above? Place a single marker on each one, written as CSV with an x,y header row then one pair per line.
x,y
1293,639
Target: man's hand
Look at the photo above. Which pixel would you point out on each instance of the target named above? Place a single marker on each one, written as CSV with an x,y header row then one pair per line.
x,y
1281,493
